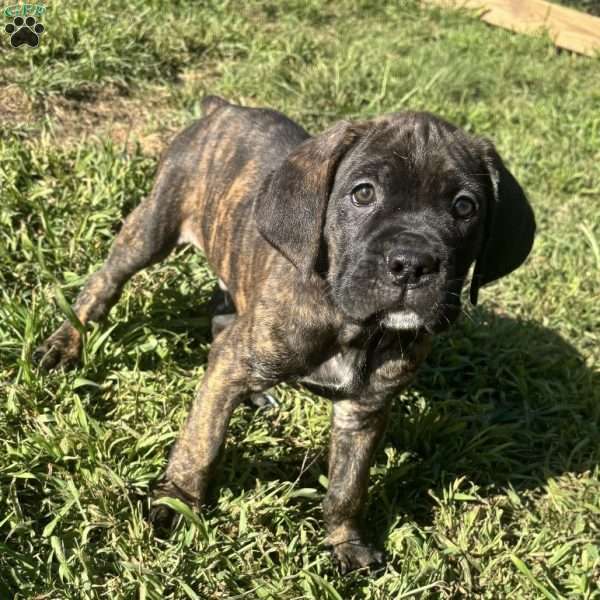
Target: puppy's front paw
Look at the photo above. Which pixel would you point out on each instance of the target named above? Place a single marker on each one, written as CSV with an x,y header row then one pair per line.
x,y
61,349
353,555
163,517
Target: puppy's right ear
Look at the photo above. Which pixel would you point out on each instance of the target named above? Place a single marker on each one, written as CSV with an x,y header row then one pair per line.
x,y
290,208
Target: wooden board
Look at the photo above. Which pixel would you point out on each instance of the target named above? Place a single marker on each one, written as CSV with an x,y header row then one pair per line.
x,y
568,28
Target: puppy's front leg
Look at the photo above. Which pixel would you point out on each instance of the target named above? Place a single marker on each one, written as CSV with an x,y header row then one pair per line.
x,y
357,428
227,382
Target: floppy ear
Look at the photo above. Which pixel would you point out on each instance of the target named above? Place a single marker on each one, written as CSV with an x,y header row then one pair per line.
x,y
290,208
509,229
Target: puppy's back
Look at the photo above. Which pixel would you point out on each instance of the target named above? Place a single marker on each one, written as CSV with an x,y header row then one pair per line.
x,y
216,167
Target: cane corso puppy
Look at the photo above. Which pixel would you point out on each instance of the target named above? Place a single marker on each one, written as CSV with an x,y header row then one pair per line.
x,y
342,253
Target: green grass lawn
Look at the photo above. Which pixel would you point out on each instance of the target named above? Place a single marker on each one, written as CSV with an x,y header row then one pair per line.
x,y
488,483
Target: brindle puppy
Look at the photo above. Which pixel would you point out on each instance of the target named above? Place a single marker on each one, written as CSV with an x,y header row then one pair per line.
x,y
343,254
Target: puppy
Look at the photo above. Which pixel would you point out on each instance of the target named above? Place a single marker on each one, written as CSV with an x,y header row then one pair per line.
x,y
342,254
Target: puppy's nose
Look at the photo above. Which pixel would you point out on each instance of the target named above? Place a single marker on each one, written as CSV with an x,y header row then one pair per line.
x,y
411,267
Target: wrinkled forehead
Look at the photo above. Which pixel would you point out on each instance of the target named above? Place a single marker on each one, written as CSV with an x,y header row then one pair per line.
x,y
416,149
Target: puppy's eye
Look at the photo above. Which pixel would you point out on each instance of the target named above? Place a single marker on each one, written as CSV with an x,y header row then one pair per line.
x,y
363,194
464,207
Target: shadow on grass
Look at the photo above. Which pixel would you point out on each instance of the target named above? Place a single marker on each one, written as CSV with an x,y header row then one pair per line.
x,y
508,403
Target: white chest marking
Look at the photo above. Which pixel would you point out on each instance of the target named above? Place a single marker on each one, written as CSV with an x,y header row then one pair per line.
x,y
402,320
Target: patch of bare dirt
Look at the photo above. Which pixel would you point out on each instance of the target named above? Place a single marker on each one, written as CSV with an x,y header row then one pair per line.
x,y
145,118
15,105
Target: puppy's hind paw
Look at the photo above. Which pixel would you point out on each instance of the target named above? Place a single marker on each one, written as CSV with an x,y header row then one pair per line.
x,y
353,555
61,349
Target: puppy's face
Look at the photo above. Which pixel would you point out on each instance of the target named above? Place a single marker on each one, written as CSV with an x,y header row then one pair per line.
x,y
405,220
393,212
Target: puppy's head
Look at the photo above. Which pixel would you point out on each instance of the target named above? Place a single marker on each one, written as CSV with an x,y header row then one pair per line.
x,y
393,212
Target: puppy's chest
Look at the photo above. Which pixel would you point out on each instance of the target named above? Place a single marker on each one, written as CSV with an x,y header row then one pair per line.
x,y
381,364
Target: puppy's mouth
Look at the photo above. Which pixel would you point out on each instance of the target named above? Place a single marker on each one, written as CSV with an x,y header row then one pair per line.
x,y
397,309
379,310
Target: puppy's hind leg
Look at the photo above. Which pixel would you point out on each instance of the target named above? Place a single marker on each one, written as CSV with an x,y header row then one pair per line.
x,y
220,322
148,235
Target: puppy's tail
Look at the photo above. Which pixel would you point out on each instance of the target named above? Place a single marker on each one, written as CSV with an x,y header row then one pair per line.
x,y
210,103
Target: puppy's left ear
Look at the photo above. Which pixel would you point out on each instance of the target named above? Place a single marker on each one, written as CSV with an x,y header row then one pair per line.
x,y
509,228
290,208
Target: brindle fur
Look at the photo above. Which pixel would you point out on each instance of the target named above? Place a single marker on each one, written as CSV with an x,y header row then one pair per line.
x,y
286,325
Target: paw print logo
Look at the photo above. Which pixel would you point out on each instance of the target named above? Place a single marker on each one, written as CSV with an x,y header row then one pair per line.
x,y
24,31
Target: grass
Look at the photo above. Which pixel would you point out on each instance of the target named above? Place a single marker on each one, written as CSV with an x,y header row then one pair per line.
x,y
589,6
488,484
